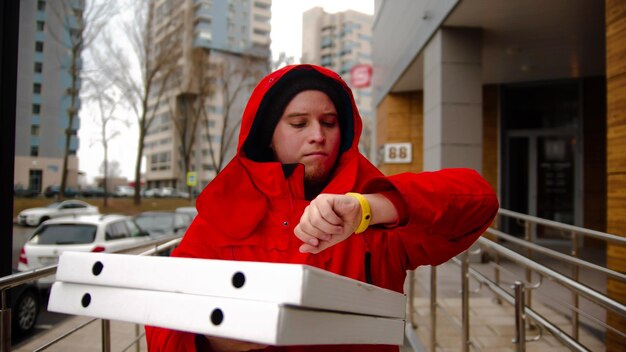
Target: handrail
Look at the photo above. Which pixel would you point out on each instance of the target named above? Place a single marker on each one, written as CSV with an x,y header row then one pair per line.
x,y
591,233
524,260
587,292
506,296
550,252
17,279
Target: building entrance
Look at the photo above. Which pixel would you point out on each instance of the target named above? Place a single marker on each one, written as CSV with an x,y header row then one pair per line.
x,y
542,180
542,157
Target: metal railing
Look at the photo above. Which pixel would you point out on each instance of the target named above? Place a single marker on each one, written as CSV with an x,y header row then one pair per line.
x,y
156,246
520,297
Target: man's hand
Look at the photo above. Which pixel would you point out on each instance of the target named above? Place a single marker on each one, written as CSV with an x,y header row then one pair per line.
x,y
326,221
219,344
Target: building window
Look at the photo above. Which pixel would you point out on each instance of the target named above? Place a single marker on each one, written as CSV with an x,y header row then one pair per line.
x,y
262,5
36,109
38,67
34,150
39,47
37,88
34,180
34,130
40,26
41,5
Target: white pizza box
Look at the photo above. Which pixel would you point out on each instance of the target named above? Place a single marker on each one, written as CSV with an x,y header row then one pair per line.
x,y
291,284
255,321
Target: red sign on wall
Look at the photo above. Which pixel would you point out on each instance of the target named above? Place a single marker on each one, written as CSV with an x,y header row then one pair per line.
x,y
361,76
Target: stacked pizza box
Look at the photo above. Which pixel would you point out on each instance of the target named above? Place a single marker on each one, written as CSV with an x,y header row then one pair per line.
x,y
268,303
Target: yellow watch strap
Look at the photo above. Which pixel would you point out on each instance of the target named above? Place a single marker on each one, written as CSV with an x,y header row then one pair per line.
x,y
366,212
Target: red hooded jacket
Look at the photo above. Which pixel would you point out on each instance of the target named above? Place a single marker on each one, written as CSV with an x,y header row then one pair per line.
x,y
249,211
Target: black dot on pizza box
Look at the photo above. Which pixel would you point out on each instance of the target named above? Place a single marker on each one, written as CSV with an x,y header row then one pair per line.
x,y
97,268
86,300
239,279
217,316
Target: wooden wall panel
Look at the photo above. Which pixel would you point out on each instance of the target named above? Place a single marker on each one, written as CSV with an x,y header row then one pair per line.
x,y
615,17
400,119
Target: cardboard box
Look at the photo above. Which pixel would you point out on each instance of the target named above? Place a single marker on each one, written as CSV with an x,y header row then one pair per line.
x,y
290,284
267,303
256,321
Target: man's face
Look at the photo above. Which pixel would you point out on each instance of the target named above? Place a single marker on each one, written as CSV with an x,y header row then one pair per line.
x,y
308,133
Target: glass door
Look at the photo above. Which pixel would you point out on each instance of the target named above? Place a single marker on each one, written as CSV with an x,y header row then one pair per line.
x,y
541,180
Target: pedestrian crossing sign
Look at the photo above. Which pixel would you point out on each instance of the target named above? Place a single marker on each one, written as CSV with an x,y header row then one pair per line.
x,y
192,179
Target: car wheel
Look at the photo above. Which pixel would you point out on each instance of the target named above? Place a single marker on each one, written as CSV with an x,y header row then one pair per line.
x,y
25,312
43,219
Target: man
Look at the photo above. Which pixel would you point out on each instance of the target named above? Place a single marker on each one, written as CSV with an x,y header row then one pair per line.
x,y
299,191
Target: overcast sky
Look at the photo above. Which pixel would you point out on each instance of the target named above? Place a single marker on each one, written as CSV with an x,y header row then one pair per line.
x,y
286,37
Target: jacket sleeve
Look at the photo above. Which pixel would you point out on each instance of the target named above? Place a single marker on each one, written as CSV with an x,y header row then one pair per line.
x,y
446,211
195,244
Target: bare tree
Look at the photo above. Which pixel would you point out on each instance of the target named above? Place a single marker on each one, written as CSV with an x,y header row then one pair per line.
x,y
81,24
155,62
187,112
103,95
232,82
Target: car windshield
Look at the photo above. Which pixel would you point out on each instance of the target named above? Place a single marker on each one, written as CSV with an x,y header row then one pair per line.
x,y
65,234
152,222
54,205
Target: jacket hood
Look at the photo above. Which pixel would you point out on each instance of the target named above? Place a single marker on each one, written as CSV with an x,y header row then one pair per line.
x,y
276,90
248,186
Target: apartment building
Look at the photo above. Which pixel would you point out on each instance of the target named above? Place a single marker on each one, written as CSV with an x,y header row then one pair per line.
x,y
342,41
43,80
221,50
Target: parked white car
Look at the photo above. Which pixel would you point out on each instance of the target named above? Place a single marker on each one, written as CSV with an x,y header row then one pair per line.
x,y
124,191
89,233
35,216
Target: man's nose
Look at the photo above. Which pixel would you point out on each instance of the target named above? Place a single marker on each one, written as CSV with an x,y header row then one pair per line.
x,y
317,133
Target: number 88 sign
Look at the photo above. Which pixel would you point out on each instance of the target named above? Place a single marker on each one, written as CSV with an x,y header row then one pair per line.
x,y
397,153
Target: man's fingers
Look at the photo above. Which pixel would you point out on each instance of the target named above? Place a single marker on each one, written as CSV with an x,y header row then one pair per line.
x,y
326,211
315,225
306,236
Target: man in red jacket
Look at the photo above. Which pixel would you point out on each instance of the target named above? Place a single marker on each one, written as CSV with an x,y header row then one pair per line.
x,y
299,191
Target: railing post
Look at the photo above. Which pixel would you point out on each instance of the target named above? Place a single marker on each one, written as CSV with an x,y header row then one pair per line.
x,y
411,299
465,301
5,323
138,342
529,252
575,274
520,317
106,335
5,330
433,308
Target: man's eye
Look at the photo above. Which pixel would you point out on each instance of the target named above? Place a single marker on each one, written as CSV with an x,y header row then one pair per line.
x,y
297,125
329,123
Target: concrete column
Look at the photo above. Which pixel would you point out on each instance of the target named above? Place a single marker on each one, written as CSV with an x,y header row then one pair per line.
x,y
453,100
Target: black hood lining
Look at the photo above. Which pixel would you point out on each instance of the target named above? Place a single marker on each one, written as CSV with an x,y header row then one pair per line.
x,y
257,144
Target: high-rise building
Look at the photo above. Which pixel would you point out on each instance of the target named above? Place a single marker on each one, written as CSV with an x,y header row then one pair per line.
x,y
221,50
342,41
43,83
